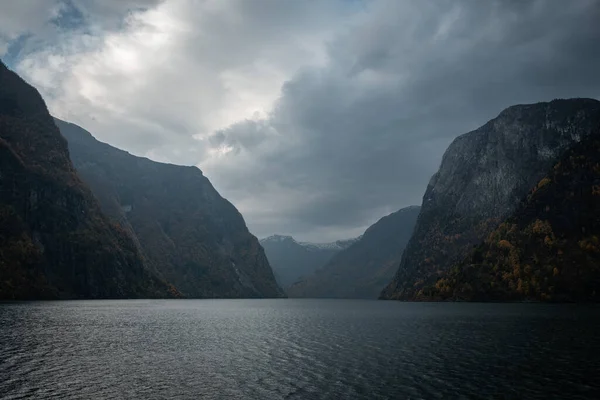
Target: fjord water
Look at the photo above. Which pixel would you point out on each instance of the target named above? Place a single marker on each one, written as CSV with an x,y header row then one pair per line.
x,y
304,349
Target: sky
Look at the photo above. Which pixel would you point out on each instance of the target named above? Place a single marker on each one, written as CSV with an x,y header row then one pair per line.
x,y
314,118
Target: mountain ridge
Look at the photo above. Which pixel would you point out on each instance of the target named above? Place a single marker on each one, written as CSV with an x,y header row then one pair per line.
x,y
54,240
364,268
547,250
292,259
482,178
336,245
189,233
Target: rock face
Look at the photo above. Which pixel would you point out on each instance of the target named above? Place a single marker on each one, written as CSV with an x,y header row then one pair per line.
x,y
483,176
549,250
292,260
54,240
189,234
364,268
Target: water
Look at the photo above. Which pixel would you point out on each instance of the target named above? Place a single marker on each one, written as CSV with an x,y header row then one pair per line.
x,y
297,349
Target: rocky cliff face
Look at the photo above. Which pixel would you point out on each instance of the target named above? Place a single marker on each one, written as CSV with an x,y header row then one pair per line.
x,y
548,250
483,176
364,268
54,241
292,260
189,234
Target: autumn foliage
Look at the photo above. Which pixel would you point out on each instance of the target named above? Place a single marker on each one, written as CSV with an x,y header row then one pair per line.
x,y
549,250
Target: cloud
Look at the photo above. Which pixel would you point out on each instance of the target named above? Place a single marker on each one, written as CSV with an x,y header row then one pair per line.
x,y
25,17
371,127
314,118
41,22
173,74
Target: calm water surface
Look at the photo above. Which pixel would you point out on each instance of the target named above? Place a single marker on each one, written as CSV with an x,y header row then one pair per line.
x,y
297,349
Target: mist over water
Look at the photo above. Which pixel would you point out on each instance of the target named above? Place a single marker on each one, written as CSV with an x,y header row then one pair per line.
x,y
297,349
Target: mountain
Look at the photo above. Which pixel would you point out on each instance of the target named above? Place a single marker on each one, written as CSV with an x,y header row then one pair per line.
x,y
188,233
482,179
548,250
292,260
364,268
338,245
54,240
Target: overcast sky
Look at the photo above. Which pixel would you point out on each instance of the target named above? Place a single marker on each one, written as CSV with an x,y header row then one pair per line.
x,y
315,118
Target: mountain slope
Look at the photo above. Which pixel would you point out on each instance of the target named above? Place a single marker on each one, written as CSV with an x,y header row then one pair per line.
x,y
483,176
190,235
54,241
292,260
549,250
364,268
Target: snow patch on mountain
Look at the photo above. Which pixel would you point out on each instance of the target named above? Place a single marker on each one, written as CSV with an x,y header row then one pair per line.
x,y
337,245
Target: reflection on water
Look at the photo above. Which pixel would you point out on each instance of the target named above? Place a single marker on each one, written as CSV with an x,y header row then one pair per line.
x,y
304,349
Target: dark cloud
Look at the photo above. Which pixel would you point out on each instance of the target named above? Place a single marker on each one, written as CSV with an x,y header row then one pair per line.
x,y
373,125
314,118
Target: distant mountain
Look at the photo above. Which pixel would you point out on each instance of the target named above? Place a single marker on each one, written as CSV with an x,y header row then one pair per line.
x,y
54,240
365,267
188,233
338,245
548,250
483,177
292,260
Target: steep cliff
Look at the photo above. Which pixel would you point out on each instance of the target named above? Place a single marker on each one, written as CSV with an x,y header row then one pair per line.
x,y
483,177
292,260
548,250
54,241
364,268
190,235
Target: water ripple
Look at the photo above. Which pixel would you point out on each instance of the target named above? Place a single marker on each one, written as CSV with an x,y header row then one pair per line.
x,y
297,349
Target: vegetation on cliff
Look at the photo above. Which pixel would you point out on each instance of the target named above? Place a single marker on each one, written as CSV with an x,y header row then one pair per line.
x,y
483,177
549,250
